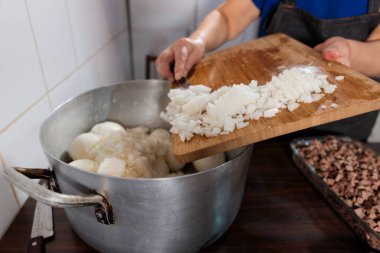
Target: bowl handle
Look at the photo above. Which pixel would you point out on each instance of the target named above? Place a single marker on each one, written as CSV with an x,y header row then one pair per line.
x,y
18,177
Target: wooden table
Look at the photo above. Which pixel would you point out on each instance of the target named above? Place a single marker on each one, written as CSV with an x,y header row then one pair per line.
x,y
280,212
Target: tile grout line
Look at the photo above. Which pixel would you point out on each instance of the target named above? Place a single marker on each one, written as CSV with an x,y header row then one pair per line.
x,y
63,80
72,35
113,38
92,56
22,114
38,53
60,82
10,185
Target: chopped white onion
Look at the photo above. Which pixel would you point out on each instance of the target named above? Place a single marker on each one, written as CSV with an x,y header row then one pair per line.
x,y
112,167
197,110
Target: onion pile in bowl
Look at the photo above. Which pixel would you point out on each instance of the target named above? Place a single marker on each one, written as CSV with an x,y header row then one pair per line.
x,y
110,149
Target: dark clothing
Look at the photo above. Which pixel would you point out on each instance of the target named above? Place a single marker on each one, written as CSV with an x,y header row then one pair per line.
x,y
289,19
322,9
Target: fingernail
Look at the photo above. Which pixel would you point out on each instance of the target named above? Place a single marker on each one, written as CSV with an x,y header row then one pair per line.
x,y
331,48
182,80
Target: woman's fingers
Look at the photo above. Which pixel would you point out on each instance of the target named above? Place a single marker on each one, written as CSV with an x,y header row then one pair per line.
x,y
331,53
163,64
184,53
196,55
336,49
181,53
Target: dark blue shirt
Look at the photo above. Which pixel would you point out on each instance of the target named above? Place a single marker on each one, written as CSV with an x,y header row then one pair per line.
x,y
323,9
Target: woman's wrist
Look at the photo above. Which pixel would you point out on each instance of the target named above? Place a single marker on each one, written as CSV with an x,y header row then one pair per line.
x,y
199,39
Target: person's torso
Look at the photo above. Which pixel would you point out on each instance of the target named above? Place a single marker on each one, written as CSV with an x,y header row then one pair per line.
x,y
320,9
314,21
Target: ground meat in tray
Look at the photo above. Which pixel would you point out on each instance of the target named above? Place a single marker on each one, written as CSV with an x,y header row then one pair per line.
x,y
346,172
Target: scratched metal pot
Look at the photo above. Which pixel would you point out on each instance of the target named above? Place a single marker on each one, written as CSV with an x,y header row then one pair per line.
x,y
180,214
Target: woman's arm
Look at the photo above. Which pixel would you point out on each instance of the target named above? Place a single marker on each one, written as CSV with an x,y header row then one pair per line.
x,y
226,22
363,57
222,24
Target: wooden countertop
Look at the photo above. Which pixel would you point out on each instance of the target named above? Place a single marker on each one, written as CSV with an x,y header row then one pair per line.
x,y
280,212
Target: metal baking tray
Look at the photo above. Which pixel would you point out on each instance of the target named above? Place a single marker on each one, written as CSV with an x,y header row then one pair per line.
x,y
357,225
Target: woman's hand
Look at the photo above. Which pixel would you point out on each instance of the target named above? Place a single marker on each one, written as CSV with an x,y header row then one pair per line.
x,y
184,53
361,56
224,23
336,49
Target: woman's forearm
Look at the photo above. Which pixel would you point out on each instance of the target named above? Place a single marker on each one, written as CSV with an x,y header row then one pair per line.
x,y
213,30
365,57
225,22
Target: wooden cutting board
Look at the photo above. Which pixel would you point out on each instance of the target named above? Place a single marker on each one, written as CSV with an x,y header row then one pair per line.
x,y
259,60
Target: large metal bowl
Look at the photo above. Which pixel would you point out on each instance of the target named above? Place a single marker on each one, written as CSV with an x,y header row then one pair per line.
x,y
180,214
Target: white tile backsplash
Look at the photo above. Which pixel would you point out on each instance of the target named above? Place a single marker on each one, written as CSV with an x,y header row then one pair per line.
x,y
44,45
155,26
19,144
94,22
163,14
108,66
150,41
21,82
52,32
69,88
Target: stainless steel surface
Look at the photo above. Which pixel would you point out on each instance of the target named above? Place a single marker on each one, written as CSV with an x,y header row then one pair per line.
x,y
357,225
51,198
179,214
42,221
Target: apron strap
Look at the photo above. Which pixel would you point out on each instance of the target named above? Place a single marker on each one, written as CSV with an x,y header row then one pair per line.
x,y
373,6
290,2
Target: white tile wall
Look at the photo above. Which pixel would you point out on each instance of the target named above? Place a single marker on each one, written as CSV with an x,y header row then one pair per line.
x,y
71,87
154,30
46,47
20,145
53,36
152,42
109,66
163,14
21,82
94,22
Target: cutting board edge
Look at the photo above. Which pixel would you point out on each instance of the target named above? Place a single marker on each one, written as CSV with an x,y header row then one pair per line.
x,y
243,140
